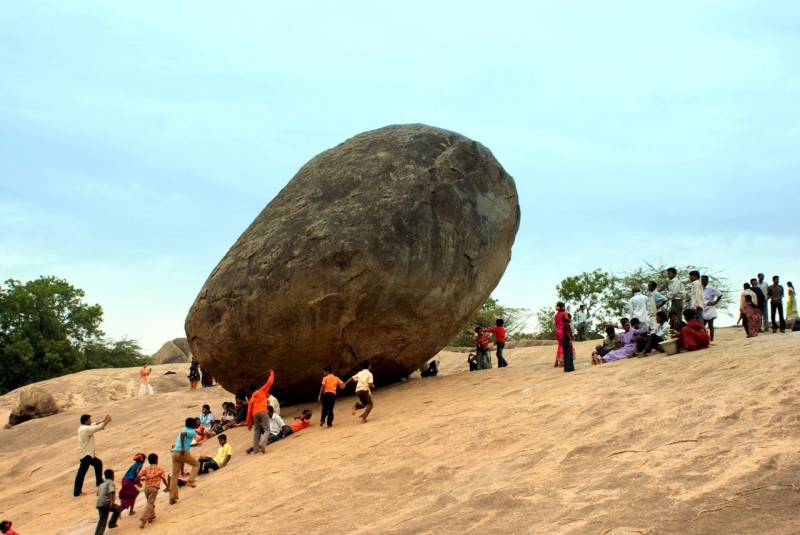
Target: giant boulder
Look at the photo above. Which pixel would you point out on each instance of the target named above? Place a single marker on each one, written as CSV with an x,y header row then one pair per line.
x,y
34,402
380,248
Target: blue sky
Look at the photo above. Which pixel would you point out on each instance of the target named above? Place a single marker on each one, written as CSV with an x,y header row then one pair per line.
x,y
138,140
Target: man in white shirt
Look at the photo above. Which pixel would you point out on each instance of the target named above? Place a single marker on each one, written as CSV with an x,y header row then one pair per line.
x,y
364,382
637,306
657,335
763,286
674,292
580,323
86,452
696,296
711,297
274,431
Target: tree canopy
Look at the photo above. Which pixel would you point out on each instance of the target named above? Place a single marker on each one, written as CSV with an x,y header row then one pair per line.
x,y
46,330
515,320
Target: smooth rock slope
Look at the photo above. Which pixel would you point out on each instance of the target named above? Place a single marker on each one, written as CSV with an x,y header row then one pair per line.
x,y
380,248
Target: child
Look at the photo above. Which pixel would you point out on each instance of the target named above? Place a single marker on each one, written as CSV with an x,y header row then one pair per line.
x,y
300,422
200,433
152,476
5,528
221,459
105,504
482,345
327,394
499,341
364,382
472,360
207,420
128,492
566,342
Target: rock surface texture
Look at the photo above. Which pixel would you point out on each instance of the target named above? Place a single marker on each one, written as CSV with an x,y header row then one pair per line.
x,y
173,352
380,248
33,403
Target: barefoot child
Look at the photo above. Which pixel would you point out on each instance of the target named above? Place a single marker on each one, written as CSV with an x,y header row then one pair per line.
x,y
327,394
152,476
130,481
105,504
364,384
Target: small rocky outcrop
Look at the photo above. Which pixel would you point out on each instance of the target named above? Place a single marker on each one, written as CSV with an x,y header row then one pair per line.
x,y
381,248
172,352
33,403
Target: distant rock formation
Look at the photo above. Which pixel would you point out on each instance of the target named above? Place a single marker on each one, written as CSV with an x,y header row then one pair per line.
x,y
33,403
381,248
174,351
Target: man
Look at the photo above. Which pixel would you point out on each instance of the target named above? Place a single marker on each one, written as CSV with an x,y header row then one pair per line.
x,y
257,411
658,335
86,453
674,292
220,459
696,294
762,285
761,299
274,430
581,326
775,296
627,340
181,455
144,381
711,297
637,306
656,301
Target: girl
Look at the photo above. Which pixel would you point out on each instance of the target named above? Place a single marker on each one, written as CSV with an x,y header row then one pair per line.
x,y
791,301
129,492
194,374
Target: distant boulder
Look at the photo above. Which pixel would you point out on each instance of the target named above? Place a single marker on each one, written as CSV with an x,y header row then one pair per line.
x,y
171,353
33,403
183,345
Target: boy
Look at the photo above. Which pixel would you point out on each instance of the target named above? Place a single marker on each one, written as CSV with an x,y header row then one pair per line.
x,y
472,360
152,476
105,504
566,343
500,341
696,295
181,455
327,394
5,528
482,346
220,459
300,422
364,384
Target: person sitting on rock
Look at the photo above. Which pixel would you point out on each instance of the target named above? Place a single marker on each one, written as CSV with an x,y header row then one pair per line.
x,y
200,433
274,431
207,420
694,336
610,343
222,457
472,360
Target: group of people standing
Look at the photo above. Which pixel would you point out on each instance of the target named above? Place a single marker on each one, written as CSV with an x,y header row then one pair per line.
x,y
758,301
482,358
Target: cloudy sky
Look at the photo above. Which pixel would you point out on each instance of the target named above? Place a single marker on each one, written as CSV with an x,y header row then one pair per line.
x,y
138,140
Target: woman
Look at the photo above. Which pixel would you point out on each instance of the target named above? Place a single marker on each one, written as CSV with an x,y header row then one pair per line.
x,y
752,317
791,302
207,379
194,374
694,335
559,321
129,492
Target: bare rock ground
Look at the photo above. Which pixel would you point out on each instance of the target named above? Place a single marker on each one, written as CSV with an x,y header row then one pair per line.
x,y
697,443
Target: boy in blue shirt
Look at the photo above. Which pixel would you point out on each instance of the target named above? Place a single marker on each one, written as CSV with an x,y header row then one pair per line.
x,y
180,455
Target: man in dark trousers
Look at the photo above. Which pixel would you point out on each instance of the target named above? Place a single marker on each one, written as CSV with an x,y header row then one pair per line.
x,y
775,296
86,452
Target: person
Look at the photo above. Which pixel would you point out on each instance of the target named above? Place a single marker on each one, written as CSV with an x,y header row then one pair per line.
x,y
86,452
482,342
5,528
696,295
752,316
763,286
791,301
655,301
207,380
300,422
364,385
201,435
222,457
327,394
181,455
257,411
130,481
226,420
627,344
429,369
558,319
207,420
472,360
241,410
105,504
144,381
694,336
711,297
742,316
581,325
775,296
657,335
676,324
272,401
274,430
194,374
674,291
638,306
499,333
641,336
566,341
610,343
152,476
761,302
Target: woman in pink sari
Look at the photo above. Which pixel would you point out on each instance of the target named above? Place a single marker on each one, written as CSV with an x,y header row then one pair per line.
x,y
559,321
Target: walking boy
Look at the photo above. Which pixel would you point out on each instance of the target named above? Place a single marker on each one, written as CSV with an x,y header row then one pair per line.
x,y
152,476
364,384
500,341
106,493
327,394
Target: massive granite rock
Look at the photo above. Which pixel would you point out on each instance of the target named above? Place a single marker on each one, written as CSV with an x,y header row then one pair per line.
x,y
380,248
173,352
34,402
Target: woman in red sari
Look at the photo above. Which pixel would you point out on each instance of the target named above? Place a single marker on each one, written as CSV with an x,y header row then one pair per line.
x,y
753,316
694,335
559,321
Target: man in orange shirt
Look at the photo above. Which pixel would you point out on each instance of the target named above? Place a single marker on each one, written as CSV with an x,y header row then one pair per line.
x,y
327,394
300,422
257,416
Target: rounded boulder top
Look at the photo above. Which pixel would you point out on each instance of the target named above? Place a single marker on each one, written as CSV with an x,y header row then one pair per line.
x,y
378,249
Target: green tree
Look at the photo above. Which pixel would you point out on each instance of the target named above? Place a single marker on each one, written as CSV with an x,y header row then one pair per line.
x,y
545,326
46,330
599,291
515,320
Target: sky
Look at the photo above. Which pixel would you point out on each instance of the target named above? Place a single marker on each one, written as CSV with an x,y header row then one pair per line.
x,y
139,140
